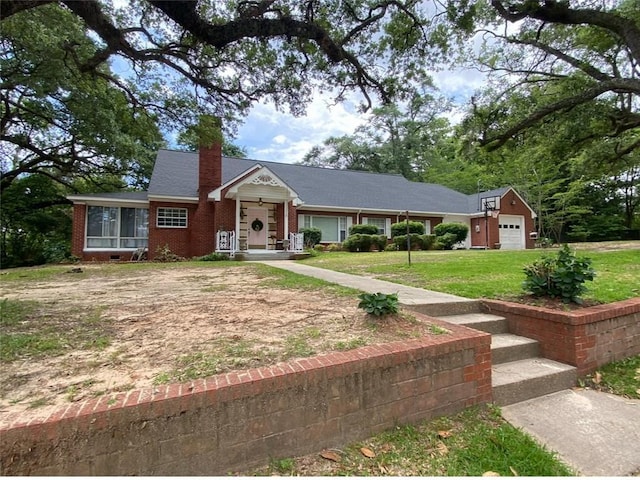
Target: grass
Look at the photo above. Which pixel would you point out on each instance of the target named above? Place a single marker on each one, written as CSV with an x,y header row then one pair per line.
x,y
289,280
223,355
30,330
620,378
470,443
488,274
116,269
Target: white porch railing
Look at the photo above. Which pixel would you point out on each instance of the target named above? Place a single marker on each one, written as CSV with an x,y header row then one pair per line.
x,y
226,242
296,242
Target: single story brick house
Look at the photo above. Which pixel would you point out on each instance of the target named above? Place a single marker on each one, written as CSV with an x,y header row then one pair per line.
x,y
198,203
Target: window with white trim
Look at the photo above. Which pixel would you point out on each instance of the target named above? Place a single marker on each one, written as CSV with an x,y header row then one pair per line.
x,y
334,229
117,227
381,223
427,227
171,217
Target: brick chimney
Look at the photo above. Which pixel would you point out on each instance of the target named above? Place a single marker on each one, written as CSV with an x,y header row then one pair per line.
x,y
210,155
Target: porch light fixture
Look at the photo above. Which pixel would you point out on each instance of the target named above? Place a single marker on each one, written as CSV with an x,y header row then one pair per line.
x,y
260,201
242,214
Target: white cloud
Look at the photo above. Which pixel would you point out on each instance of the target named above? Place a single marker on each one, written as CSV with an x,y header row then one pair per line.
x,y
280,137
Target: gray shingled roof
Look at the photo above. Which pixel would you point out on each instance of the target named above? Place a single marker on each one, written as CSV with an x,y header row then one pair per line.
x,y
176,174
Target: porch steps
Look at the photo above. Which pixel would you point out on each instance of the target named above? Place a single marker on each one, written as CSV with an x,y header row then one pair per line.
x,y
518,372
278,255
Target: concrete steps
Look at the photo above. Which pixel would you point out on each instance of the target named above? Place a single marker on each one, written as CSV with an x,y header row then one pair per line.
x,y
522,380
279,255
506,347
518,372
485,322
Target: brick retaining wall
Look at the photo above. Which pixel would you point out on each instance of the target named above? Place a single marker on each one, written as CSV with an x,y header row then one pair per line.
x,y
236,421
586,338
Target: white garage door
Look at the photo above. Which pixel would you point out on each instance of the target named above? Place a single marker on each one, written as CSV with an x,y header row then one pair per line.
x,y
511,232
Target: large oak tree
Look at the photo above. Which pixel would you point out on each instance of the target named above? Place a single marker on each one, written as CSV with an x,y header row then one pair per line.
x,y
556,57
178,59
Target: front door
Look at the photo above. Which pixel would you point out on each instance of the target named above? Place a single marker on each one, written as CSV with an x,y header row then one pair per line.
x,y
258,227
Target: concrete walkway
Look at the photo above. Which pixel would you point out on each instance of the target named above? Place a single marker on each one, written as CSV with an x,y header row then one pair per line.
x,y
595,433
406,295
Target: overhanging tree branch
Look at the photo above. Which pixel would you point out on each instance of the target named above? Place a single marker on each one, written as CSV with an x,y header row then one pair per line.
x,y
495,142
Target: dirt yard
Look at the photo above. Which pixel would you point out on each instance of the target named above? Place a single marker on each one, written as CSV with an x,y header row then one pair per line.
x,y
106,330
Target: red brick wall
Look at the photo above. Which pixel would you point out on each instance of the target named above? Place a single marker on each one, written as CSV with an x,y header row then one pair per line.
x,y
210,164
585,338
234,422
178,239
293,218
517,208
78,229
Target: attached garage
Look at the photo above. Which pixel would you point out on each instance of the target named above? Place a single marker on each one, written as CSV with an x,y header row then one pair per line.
x,y
511,229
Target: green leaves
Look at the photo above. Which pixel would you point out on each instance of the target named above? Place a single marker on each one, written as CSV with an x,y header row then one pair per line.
x,y
379,304
561,278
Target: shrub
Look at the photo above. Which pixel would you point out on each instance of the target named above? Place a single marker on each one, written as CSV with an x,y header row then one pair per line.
x,y
358,242
164,254
319,248
448,234
401,242
334,247
460,231
363,229
400,228
392,247
379,242
312,236
428,242
378,304
562,277
213,257
447,240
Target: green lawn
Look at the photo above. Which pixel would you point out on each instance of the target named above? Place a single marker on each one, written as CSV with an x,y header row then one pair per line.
x,y
470,443
488,274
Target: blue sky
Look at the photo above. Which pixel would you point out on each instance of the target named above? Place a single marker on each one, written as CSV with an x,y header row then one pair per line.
x,y
273,136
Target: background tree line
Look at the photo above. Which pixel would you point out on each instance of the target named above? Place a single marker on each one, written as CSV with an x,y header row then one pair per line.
x,y
558,118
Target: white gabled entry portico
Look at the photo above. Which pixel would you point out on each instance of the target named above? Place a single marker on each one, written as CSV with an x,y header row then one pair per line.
x,y
258,193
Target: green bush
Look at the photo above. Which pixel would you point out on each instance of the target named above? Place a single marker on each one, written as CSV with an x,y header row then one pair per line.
x,y
392,247
378,304
447,240
562,277
358,242
312,236
363,229
448,234
401,242
428,242
400,228
379,242
334,247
